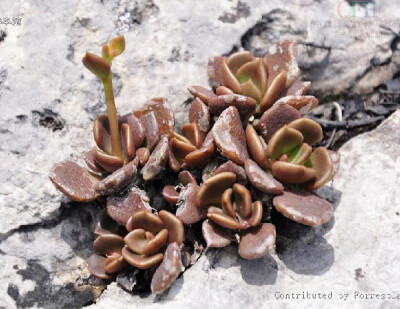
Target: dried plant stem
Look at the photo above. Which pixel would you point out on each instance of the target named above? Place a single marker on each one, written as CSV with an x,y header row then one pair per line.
x,y
116,147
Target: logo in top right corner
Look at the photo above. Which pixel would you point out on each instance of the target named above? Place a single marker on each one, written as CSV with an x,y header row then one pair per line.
x,y
356,8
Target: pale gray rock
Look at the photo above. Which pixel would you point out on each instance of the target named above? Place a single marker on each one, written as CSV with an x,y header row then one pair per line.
x,y
41,265
49,100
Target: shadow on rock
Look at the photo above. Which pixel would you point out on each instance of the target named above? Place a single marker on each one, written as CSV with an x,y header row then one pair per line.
x,y
254,272
77,226
259,271
303,249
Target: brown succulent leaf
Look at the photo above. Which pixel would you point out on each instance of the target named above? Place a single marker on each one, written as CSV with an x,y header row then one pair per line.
x,y
273,93
151,129
200,114
284,141
282,56
257,242
192,132
187,177
136,127
202,93
128,142
97,65
163,113
215,235
262,180
169,269
222,90
136,240
117,180
74,181
256,213
243,202
180,149
229,136
214,70
238,59
292,173
200,157
298,88
335,160
228,79
170,194
114,264
256,72
108,244
145,220
140,261
304,207
310,129
226,203
188,210
321,162
121,208
155,244
211,190
89,160
230,166
101,133
227,221
176,231
143,154
256,147
172,161
303,103
245,105
96,265
275,118
157,161
107,162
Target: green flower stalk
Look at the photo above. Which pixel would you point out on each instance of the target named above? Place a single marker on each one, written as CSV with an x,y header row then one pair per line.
x,y
101,67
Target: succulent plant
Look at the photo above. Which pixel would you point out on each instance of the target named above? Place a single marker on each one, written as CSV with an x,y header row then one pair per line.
x,y
246,148
149,240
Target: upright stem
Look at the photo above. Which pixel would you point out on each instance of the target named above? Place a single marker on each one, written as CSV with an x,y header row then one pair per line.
x,y
116,147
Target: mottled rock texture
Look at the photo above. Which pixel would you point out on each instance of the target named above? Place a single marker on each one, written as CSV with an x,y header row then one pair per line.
x,y
48,101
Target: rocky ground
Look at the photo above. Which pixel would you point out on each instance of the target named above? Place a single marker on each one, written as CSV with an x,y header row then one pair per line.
x,y
48,100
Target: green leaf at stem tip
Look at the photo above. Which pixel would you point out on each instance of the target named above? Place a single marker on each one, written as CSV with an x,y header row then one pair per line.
x,y
105,53
117,46
97,65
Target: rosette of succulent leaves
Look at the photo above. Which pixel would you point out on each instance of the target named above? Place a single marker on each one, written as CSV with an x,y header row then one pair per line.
x,y
247,144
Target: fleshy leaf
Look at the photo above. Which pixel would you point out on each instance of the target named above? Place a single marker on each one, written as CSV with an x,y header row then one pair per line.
x,y
97,65
292,173
215,235
283,141
230,137
157,161
169,269
74,181
304,207
310,129
275,118
212,189
257,242
262,180
117,180
121,208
